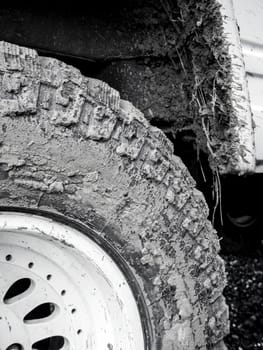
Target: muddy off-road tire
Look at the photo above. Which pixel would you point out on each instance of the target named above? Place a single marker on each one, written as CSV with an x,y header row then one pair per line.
x,y
70,145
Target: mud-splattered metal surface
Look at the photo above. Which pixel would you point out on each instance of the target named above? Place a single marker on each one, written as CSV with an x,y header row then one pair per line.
x,y
75,291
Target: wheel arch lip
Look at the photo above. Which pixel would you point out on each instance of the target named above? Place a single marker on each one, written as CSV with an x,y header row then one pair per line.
x,y
91,233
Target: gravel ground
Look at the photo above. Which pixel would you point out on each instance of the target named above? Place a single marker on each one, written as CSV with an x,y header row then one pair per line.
x,y
244,295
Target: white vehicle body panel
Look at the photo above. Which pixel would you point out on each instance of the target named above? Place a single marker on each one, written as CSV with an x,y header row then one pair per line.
x,y
240,118
249,15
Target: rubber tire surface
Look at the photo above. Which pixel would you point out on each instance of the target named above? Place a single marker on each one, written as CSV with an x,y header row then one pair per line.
x,y
70,144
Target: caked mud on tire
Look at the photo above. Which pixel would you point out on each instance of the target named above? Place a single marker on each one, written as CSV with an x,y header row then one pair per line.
x,y
69,144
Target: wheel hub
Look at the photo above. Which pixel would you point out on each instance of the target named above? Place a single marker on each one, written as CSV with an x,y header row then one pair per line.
x,y
60,290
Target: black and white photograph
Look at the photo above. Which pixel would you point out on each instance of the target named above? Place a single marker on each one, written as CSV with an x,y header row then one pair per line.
x,y
131,175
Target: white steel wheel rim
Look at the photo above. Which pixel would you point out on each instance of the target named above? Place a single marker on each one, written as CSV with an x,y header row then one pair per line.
x,y
87,301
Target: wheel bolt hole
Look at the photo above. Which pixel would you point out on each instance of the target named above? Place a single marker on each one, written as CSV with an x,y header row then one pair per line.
x,y
63,292
79,331
49,277
30,265
73,311
15,347
8,257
